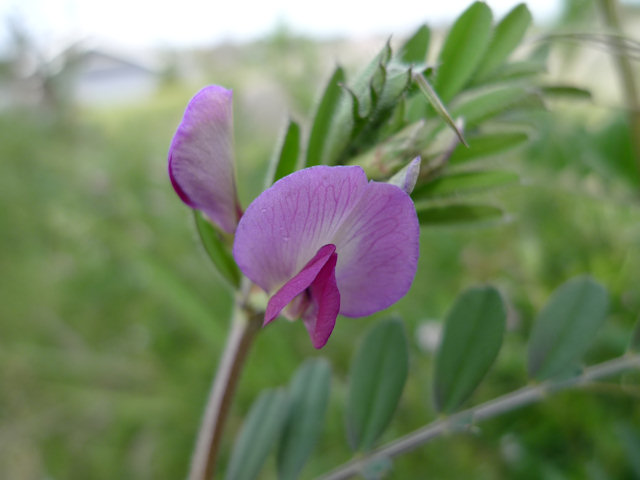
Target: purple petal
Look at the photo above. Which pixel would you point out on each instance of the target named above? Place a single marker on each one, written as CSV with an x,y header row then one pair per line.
x,y
320,317
287,224
201,157
313,295
378,247
407,177
298,283
373,226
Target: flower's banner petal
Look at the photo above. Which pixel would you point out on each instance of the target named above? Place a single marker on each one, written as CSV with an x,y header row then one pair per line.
x,y
378,247
373,226
288,223
299,283
201,157
320,318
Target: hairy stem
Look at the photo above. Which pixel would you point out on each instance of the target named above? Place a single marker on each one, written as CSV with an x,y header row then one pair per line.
x,y
463,420
244,326
611,14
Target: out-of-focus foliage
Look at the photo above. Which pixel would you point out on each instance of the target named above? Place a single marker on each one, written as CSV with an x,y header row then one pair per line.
x,y
112,318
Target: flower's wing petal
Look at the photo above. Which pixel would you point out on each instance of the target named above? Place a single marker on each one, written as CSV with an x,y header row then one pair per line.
x,y
201,157
298,283
320,317
286,225
378,246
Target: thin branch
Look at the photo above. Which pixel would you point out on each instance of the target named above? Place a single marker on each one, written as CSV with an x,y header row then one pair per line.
x,y
461,421
244,326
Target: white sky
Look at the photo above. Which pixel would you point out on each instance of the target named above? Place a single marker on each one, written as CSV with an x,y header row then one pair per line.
x,y
144,23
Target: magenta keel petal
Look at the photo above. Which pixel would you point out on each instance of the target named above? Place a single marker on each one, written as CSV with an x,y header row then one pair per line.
x,y
320,316
313,295
299,283
201,157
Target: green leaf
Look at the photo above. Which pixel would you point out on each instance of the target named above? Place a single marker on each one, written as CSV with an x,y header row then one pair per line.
x,y
488,144
507,36
397,120
417,107
472,337
354,108
258,435
389,156
481,105
397,82
379,124
371,80
309,392
463,49
217,250
376,86
376,379
566,91
462,183
323,120
457,214
512,71
414,50
287,160
566,326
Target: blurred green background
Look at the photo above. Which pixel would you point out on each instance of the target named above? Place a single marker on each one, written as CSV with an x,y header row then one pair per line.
x,y
112,318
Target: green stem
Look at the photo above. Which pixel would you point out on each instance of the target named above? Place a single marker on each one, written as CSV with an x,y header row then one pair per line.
x,y
493,408
611,14
244,326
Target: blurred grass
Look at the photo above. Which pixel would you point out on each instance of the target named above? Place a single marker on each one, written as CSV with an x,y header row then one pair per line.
x,y
112,319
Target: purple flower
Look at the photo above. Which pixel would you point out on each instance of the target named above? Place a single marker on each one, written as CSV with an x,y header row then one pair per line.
x,y
324,241
201,164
